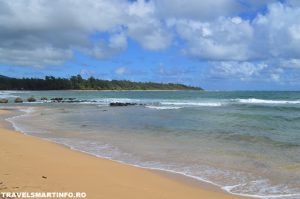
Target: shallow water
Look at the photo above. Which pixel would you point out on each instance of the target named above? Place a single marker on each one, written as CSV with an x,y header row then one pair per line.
x,y
247,143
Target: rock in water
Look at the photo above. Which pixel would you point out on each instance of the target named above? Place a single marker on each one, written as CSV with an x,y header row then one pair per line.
x,y
31,99
44,98
57,99
18,100
122,104
3,101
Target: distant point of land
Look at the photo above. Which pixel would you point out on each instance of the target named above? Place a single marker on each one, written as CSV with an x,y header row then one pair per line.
x,y
79,83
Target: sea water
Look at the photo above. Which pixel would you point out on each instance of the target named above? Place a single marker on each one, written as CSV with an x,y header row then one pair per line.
x,y
247,143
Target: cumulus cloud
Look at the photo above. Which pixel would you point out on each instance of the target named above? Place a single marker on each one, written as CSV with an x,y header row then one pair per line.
x,y
118,41
145,27
103,50
37,57
290,63
276,34
272,35
293,2
41,33
235,45
45,32
223,39
238,36
239,70
197,10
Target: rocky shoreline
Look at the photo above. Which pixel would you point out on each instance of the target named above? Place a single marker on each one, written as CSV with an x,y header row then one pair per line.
x,y
65,100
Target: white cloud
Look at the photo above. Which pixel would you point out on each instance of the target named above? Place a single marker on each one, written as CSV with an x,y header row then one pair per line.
x,y
36,57
41,33
53,29
275,77
197,9
290,63
293,2
239,70
121,70
223,39
276,32
146,28
294,31
118,41
236,20
101,50
273,35
149,34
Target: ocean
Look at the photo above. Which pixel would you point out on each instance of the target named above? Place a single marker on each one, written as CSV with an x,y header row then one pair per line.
x,y
247,143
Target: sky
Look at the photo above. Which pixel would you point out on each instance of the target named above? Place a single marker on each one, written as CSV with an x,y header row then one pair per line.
x,y
217,45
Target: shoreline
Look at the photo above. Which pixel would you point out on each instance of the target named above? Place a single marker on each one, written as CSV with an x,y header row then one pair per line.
x,y
139,181
110,90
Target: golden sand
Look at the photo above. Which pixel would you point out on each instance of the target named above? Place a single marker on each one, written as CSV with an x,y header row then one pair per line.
x,y
31,164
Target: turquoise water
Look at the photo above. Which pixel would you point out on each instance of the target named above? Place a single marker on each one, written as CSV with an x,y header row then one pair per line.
x,y
247,143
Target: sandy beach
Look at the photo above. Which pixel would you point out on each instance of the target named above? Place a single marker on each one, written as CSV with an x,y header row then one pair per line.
x,y
31,164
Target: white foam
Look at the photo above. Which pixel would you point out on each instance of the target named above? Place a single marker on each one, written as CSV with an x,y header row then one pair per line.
x,y
7,94
27,112
210,104
236,189
262,101
153,165
164,107
113,153
168,168
109,100
154,103
11,93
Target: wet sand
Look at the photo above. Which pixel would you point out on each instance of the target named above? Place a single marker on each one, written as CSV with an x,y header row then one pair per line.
x,y
31,164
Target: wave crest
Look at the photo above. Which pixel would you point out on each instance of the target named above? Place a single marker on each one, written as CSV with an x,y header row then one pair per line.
x,y
263,101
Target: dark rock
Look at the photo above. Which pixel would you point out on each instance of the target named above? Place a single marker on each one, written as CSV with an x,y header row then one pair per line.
x,y
44,177
44,98
70,99
57,99
18,100
77,101
31,99
122,104
3,101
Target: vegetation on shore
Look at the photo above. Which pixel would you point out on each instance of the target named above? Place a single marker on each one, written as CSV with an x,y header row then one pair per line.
x,y
78,83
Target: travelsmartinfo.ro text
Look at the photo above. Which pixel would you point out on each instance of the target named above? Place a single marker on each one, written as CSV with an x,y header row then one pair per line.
x,y
43,195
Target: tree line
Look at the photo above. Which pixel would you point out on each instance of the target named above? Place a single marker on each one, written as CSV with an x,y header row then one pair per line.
x,y
79,83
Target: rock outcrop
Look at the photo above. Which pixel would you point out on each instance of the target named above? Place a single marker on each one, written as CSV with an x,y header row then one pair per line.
x,y
18,100
122,104
3,101
31,99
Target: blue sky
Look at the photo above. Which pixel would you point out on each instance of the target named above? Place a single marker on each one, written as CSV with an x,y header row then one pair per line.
x,y
218,45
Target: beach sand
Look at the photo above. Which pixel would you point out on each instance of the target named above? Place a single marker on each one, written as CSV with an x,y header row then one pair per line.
x,y
31,164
